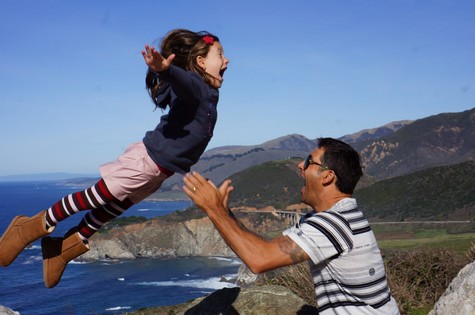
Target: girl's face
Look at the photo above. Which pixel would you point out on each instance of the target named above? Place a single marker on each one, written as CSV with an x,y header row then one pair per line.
x,y
215,63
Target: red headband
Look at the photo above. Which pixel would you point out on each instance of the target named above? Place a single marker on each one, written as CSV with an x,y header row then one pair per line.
x,y
208,39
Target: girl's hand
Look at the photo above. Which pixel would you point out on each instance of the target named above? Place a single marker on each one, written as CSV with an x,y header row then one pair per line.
x,y
155,61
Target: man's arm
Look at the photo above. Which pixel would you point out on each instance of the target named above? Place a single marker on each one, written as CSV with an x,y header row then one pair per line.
x,y
258,254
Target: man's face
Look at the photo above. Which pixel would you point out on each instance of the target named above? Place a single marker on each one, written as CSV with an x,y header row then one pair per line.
x,y
310,170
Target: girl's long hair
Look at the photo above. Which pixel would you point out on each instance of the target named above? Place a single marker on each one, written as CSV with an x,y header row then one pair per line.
x,y
187,46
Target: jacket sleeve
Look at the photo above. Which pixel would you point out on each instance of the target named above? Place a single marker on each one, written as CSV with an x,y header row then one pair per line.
x,y
184,83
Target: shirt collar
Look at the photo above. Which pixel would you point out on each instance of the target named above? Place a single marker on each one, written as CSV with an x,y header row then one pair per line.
x,y
344,204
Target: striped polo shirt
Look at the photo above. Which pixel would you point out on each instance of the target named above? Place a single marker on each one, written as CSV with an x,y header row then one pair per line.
x,y
346,264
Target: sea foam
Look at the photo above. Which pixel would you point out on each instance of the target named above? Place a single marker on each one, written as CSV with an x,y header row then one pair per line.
x,y
234,261
214,283
32,260
118,308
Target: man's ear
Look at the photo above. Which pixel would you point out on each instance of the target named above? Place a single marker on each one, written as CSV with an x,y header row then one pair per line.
x,y
200,61
328,177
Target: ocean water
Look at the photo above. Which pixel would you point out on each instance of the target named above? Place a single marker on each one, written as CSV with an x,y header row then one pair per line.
x,y
104,287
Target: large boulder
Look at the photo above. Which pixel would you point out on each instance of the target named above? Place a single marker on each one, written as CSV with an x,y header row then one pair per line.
x,y
459,298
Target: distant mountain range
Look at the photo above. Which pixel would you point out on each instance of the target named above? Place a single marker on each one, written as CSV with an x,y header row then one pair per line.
x,y
375,133
219,163
394,149
437,140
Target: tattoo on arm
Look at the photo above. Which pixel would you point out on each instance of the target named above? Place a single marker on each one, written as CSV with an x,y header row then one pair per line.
x,y
290,248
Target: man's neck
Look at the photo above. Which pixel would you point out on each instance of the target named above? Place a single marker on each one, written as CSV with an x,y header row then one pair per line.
x,y
329,202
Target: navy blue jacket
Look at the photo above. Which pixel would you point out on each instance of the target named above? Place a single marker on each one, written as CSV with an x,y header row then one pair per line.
x,y
182,135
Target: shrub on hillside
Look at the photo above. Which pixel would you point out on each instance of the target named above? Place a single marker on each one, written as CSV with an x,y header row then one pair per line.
x,y
470,254
296,277
419,277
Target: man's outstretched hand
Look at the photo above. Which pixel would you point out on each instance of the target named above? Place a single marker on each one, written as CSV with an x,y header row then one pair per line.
x,y
205,194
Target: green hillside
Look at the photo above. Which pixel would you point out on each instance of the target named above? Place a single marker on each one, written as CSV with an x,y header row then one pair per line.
x,y
275,183
439,193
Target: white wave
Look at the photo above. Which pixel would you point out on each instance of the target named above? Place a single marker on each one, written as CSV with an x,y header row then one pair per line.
x,y
78,262
118,308
110,262
144,209
234,261
33,247
32,260
121,279
214,283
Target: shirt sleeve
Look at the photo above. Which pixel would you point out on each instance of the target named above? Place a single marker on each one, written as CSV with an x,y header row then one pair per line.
x,y
184,82
321,236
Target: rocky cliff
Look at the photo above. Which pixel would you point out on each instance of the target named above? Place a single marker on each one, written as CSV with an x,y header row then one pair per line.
x,y
162,237
155,238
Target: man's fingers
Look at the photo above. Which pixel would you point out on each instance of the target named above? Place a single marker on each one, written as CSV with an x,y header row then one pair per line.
x,y
225,189
189,192
190,182
195,182
198,179
224,186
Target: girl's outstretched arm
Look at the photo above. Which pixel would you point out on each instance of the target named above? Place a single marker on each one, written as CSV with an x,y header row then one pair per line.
x,y
155,61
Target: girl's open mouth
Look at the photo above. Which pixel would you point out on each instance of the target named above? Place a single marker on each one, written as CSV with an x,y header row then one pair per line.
x,y
221,73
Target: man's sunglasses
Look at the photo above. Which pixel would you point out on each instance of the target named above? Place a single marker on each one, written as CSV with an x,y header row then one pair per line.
x,y
309,161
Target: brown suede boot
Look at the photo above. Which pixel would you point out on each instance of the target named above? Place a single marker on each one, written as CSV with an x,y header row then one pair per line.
x,y
57,252
21,232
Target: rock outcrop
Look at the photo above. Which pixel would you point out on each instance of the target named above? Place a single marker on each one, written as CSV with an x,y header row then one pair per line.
x,y
165,238
155,238
244,301
245,277
7,311
459,298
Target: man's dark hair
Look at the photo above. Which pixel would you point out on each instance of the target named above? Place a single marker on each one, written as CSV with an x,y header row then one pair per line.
x,y
344,161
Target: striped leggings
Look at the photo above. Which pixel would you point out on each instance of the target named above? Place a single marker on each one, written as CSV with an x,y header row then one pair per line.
x,y
104,207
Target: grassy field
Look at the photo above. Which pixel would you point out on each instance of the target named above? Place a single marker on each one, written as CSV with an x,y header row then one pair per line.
x,y
458,237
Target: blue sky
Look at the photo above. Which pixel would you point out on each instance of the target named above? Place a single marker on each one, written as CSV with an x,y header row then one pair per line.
x,y
72,76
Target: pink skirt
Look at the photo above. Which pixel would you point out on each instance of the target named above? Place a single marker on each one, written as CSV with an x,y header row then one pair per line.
x,y
133,175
